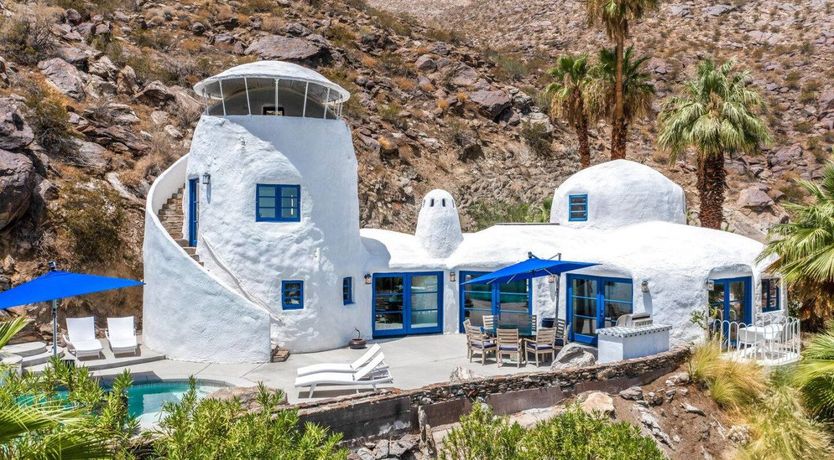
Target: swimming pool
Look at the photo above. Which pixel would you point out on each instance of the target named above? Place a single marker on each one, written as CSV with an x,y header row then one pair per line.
x,y
145,400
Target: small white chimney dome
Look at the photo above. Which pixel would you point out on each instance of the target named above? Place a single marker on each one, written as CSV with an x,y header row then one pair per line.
x,y
438,224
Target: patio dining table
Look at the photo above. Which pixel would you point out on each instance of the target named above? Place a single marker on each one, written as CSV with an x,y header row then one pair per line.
x,y
525,329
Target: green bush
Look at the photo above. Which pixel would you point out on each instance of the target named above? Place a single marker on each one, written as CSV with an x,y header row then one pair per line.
x,y
94,222
49,119
537,137
485,214
571,435
215,429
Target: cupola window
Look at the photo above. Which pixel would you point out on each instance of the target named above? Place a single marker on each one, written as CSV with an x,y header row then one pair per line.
x,y
278,203
578,208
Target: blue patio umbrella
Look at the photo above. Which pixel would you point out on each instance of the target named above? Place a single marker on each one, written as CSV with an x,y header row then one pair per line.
x,y
57,285
533,267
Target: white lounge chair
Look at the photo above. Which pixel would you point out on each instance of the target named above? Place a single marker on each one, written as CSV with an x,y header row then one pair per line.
x,y
121,333
81,337
341,367
370,375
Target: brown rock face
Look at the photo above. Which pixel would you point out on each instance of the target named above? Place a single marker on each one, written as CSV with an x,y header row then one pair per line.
x,y
286,48
63,76
17,179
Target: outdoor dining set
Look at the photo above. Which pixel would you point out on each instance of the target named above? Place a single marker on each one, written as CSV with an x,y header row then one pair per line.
x,y
515,341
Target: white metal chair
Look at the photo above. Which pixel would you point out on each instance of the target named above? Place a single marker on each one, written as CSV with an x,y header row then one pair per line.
x,y
121,333
81,337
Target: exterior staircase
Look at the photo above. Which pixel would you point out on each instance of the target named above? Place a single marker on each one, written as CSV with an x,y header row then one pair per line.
x,y
171,216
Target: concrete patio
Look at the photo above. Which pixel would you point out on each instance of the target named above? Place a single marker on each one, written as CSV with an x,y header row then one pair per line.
x,y
413,361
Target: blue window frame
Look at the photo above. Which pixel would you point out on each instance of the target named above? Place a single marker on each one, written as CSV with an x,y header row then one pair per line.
x,y
278,203
578,208
771,295
347,290
595,302
292,294
407,303
193,211
476,300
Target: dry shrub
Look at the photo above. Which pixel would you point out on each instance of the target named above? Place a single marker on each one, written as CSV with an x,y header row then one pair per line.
x,y
93,221
427,87
781,429
162,153
732,384
49,119
405,84
272,24
27,35
340,34
443,104
462,97
368,61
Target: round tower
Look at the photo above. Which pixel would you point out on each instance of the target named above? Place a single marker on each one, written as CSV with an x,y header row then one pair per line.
x,y
276,210
438,224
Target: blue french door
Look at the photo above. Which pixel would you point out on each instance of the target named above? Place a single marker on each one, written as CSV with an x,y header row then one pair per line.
x,y
512,301
407,303
595,302
193,215
731,299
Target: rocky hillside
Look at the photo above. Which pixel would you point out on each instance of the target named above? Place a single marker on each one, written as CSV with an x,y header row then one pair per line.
x,y
787,45
96,102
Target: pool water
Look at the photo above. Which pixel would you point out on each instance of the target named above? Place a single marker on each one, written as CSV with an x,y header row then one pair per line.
x,y
145,400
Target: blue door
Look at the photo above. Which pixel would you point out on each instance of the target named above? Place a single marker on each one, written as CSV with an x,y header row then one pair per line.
x,y
407,303
193,215
595,302
731,300
511,302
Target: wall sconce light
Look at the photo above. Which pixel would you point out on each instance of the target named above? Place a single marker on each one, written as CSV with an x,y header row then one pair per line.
x,y
206,178
710,285
644,286
368,278
452,277
551,279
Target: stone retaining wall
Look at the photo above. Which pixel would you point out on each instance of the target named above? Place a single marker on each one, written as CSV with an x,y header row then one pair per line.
x,y
395,412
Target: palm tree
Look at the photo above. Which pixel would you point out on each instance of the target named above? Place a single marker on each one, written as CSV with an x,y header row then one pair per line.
x,y
570,80
717,115
615,16
804,250
637,88
814,376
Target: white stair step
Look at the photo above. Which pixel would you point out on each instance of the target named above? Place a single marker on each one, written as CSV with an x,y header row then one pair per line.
x,y
26,349
42,358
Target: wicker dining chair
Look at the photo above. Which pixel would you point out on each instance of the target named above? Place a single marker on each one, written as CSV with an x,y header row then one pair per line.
x,y
477,343
542,345
509,345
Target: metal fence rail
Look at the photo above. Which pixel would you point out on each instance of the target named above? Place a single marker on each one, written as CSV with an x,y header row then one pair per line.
x,y
769,344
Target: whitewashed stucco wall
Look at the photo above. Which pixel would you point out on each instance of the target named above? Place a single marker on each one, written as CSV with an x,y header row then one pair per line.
x,y
187,313
242,151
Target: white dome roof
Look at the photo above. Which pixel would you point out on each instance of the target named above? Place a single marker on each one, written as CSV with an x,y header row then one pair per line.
x,y
275,69
620,193
438,224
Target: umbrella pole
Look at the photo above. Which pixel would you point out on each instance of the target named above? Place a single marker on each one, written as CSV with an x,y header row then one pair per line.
x,y
54,327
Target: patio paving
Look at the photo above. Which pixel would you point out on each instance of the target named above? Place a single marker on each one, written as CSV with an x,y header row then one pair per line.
x,y
413,361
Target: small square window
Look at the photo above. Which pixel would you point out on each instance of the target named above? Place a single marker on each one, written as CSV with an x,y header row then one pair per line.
x,y
278,203
577,208
292,295
771,297
347,290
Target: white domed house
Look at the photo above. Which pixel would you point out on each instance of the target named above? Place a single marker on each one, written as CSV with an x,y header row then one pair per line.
x,y
269,250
